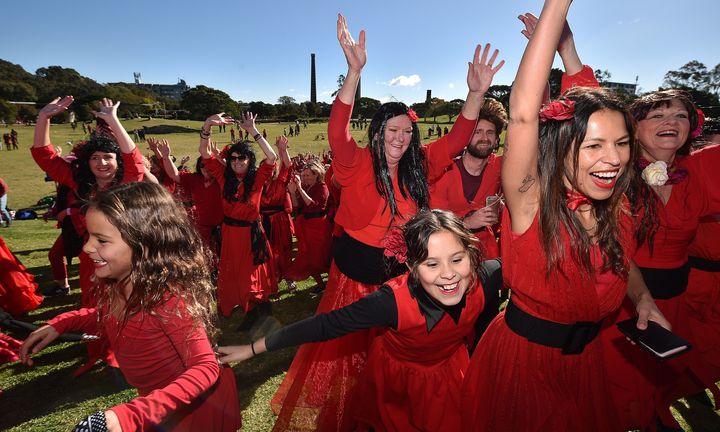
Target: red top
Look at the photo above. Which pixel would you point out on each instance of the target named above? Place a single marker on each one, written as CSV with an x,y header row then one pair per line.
x,y
250,209
275,192
705,163
165,356
3,187
207,198
584,78
319,193
353,169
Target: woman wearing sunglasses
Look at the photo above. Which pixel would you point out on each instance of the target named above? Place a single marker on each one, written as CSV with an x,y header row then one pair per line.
x,y
245,277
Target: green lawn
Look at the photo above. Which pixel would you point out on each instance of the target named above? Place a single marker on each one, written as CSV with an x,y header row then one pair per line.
x,y
47,398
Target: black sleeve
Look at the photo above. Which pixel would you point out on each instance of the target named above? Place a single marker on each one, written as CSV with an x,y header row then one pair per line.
x,y
492,283
378,309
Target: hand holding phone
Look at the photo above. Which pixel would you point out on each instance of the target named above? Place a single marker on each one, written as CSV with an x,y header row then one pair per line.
x,y
662,343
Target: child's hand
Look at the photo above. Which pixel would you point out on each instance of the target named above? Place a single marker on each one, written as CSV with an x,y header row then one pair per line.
x,y
236,353
37,340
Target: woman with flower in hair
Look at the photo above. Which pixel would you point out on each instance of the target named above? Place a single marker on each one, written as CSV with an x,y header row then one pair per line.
x,y
245,275
414,370
108,158
566,247
383,185
669,199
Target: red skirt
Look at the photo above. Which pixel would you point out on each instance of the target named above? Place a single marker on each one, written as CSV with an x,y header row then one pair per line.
x,y
17,285
240,282
314,243
280,239
315,394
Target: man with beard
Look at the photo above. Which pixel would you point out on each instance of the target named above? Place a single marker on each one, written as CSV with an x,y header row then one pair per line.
x,y
470,186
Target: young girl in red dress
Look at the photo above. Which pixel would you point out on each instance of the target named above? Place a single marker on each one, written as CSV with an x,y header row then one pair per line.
x,y
312,227
383,185
246,277
566,245
414,370
155,304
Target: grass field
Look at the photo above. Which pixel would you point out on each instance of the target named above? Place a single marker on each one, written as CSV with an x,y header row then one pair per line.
x,y
47,398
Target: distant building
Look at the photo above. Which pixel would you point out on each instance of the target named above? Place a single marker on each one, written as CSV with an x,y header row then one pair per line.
x,y
172,91
624,87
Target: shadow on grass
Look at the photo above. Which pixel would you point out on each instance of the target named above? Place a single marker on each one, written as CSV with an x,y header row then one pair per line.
x,y
698,415
29,251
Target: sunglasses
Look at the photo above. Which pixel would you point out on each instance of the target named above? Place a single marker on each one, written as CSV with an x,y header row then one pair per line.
x,y
238,158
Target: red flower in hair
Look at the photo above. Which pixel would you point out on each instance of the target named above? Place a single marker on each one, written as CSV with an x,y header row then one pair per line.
x,y
395,246
413,115
701,121
224,152
557,110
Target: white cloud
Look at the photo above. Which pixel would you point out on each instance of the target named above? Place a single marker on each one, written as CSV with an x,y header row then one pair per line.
x,y
405,81
451,85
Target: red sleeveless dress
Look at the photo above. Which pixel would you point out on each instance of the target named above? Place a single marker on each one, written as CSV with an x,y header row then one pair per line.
x,y
413,378
516,385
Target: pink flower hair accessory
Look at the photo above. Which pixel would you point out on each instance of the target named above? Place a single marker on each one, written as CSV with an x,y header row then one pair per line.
x,y
701,122
557,110
412,115
395,246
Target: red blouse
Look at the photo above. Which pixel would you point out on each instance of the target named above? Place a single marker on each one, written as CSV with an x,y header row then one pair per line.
x,y
250,209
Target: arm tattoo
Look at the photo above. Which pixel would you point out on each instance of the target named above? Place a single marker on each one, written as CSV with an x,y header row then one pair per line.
x,y
527,182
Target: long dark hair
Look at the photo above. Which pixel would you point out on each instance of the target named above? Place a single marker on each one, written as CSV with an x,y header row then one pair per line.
x,y
558,139
83,176
168,256
232,182
412,169
642,198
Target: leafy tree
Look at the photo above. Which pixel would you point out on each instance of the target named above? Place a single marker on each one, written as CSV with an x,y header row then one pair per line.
x,y
204,101
8,111
421,108
454,107
340,82
366,107
262,109
501,93
287,108
692,74
602,76
437,107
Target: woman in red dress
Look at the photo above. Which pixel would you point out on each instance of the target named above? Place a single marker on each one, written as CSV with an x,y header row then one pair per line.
x,y
275,209
108,158
415,369
17,285
312,227
245,277
155,305
383,185
566,245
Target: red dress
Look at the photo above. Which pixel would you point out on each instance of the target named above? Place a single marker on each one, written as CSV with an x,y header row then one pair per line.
x,y
170,361
240,281
314,235
207,200
17,285
413,378
314,394
516,385
275,208
638,381
448,194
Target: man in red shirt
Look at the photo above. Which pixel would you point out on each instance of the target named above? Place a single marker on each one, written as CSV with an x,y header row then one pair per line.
x,y
471,185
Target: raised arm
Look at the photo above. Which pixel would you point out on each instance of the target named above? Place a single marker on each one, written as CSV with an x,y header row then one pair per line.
x,y
206,131
163,151
519,171
42,127
479,78
247,122
566,46
356,57
281,143
108,113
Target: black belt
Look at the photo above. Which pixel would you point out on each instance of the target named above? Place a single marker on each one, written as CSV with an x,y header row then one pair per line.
x,y
364,263
313,215
572,338
258,240
665,284
271,210
237,222
704,264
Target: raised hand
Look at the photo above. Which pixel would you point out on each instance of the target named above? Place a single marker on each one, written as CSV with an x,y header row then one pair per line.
x,y
355,53
37,340
163,148
56,106
481,71
247,121
184,160
281,143
218,119
530,21
108,110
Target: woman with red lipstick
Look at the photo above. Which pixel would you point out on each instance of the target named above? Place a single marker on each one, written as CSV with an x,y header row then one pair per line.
x,y
383,185
108,158
669,200
566,246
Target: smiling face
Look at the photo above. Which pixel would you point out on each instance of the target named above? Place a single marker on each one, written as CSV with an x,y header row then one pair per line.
x,y
239,163
484,139
398,134
664,130
111,256
603,155
308,177
446,272
104,166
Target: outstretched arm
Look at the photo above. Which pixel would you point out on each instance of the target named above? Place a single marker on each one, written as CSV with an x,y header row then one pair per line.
x,y
163,150
479,78
519,171
247,122
108,113
42,127
566,45
206,131
356,57
282,144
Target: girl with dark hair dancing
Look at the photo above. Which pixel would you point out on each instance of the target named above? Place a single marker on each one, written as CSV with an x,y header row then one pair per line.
x,y
245,275
108,158
566,246
383,185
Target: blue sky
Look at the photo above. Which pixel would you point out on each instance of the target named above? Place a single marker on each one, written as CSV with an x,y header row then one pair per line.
x,y
260,50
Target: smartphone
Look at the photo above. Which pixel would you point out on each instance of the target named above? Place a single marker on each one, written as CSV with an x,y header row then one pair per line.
x,y
492,199
662,343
